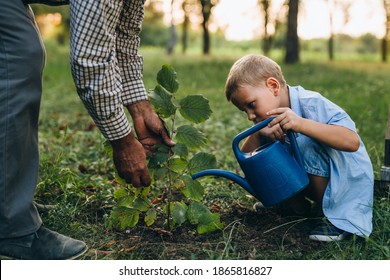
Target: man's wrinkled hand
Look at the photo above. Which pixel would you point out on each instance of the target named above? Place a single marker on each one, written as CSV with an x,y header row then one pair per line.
x,y
148,126
130,161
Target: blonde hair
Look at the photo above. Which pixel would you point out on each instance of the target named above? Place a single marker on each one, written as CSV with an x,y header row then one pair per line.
x,y
252,70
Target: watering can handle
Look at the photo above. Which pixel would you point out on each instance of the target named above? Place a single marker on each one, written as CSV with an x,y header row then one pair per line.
x,y
248,132
257,127
295,148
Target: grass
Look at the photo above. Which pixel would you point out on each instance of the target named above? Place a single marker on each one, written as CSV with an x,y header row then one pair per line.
x,y
77,175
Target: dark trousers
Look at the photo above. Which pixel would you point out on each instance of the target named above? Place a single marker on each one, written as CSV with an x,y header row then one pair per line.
x,y
22,58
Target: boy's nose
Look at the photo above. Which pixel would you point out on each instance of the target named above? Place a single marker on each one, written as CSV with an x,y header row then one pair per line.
x,y
251,116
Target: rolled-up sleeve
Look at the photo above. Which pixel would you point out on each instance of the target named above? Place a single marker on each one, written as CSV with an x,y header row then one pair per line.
x,y
106,68
129,61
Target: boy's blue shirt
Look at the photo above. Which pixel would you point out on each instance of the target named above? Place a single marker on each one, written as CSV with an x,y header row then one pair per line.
x,y
348,199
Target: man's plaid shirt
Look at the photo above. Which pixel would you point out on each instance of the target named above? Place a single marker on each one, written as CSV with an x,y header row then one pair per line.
x,y
106,67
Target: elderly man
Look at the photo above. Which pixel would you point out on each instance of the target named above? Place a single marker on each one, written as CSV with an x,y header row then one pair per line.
x,y
107,72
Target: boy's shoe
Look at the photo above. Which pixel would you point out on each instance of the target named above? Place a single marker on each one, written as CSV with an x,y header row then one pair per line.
x,y
258,207
326,232
43,244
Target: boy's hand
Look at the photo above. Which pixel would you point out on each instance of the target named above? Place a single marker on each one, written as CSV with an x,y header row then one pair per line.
x,y
273,133
286,119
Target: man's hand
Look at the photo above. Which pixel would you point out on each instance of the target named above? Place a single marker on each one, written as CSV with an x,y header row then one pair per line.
x,y
149,127
130,161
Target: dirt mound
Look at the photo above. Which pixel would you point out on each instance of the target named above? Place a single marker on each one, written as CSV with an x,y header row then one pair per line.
x,y
247,235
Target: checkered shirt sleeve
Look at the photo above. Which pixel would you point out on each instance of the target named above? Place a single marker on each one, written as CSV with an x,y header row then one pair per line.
x,y
106,66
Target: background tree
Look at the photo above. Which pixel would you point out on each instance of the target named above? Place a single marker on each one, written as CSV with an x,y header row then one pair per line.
x,y
62,30
385,39
267,38
292,40
154,30
207,6
191,13
335,5
173,34
270,20
186,22
331,31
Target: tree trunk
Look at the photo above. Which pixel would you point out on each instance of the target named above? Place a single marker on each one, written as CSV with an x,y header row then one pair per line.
x,y
172,31
172,40
267,37
207,5
206,38
331,38
331,47
384,49
292,40
384,46
184,38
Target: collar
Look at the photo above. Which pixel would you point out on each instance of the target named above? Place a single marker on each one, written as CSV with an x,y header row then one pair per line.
x,y
293,93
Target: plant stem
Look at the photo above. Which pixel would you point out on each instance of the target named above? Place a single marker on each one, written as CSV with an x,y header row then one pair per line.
x,y
169,189
169,186
173,126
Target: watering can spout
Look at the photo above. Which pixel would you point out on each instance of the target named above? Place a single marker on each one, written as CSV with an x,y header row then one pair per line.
x,y
228,175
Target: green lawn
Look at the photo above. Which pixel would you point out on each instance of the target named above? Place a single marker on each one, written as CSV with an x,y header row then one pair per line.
x,y
77,175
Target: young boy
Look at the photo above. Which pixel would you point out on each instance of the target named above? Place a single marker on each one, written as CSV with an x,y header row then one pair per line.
x,y
339,169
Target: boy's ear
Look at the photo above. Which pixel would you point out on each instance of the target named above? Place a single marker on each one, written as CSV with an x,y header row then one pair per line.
x,y
273,84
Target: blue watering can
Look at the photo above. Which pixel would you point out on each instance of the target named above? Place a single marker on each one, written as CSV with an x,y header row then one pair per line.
x,y
272,174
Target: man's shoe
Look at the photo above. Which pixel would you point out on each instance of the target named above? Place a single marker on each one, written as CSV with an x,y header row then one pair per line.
x,y
44,244
326,232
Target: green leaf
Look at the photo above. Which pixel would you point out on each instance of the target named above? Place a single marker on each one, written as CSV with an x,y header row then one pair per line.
x,y
177,164
158,172
124,217
107,148
180,150
199,214
161,100
193,190
145,191
123,197
195,108
210,223
120,193
201,161
179,210
140,204
167,77
126,201
119,180
160,156
150,217
195,212
190,136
